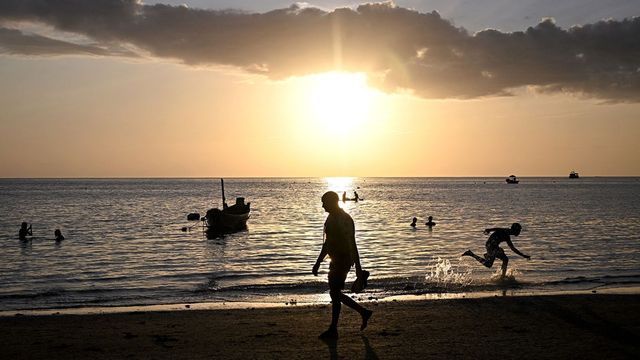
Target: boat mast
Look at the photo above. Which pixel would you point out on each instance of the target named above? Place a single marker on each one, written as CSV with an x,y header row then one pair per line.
x,y
224,201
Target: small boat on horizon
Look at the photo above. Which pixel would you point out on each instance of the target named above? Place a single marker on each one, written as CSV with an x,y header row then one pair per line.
x,y
512,179
228,220
574,175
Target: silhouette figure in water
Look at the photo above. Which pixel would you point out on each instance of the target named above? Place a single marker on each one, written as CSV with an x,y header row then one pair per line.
x,y
340,245
25,229
430,222
413,223
58,235
344,196
493,247
355,196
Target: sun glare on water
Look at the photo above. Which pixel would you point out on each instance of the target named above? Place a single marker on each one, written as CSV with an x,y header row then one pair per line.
x,y
340,102
339,184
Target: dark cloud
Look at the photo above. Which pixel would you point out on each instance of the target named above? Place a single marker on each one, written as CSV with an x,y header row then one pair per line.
x,y
401,48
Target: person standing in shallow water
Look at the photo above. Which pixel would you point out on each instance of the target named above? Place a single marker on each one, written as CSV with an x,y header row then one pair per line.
x,y
25,229
58,235
493,247
340,245
430,222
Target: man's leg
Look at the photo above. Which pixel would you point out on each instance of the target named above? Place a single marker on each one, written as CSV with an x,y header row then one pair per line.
x,y
336,307
505,261
487,260
364,313
336,284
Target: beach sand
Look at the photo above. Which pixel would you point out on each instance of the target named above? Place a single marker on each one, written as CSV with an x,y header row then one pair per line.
x,y
536,327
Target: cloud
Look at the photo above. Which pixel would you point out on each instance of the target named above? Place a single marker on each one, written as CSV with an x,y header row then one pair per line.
x,y
402,49
16,42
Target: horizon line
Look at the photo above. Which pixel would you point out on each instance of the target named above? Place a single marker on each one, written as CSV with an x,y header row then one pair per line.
x,y
305,177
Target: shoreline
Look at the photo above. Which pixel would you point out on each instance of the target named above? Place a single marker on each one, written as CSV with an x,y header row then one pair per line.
x,y
362,298
528,327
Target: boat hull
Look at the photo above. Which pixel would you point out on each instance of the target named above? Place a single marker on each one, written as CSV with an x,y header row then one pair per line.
x,y
220,222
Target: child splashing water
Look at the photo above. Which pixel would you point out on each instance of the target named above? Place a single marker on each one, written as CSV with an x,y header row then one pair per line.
x,y
443,274
493,247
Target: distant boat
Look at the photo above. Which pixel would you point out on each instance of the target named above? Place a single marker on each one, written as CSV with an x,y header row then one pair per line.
x,y
574,175
228,220
512,179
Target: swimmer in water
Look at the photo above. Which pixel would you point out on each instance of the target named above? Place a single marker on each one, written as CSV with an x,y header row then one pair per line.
x,y
58,235
430,222
25,229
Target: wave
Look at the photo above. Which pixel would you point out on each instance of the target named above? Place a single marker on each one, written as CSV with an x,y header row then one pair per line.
x,y
604,280
434,283
58,297
442,279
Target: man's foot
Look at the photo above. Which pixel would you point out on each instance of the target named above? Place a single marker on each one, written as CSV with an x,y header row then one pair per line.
x,y
331,334
366,315
467,253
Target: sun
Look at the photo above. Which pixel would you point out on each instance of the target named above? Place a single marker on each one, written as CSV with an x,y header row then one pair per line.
x,y
340,102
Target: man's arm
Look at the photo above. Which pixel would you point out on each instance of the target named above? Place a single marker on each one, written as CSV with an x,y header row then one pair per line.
x,y
490,230
323,254
513,248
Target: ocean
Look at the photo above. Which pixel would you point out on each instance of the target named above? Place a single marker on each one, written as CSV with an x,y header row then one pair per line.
x,y
125,244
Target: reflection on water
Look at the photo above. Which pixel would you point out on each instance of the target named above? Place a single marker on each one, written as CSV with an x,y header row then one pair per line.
x,y
339,184
124,243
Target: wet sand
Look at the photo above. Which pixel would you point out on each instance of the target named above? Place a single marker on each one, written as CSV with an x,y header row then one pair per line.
x,y
537,327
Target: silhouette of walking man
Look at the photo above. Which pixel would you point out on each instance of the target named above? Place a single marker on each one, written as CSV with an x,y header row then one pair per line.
x,y
493,247
340,245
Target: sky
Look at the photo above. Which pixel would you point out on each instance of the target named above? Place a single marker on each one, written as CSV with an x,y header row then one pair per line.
x,y
124,88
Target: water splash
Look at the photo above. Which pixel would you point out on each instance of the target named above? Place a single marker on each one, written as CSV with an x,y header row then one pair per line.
x,y
508,279
443,274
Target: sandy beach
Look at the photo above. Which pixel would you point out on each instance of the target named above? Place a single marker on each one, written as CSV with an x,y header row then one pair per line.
x,y
537,327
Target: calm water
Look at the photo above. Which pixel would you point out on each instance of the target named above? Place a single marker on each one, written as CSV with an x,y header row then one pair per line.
x,y
125,246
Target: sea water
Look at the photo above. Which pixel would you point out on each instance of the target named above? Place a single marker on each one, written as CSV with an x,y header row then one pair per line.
x,y
125,245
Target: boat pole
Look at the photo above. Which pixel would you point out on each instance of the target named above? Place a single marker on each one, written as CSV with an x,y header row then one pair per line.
x,y
224,201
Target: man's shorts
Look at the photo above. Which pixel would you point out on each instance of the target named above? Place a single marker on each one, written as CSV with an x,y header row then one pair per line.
x,y
494,252
338,270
